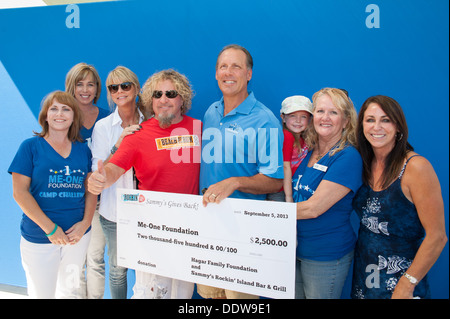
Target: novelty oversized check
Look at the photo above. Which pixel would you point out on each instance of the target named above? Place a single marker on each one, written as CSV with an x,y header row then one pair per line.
x,y
241,245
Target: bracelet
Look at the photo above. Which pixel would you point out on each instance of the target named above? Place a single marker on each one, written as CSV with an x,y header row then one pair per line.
x,y
113,149
411,279
54,231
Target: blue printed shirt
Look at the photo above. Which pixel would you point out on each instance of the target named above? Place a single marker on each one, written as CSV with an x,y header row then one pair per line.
x,y
329,236
57,183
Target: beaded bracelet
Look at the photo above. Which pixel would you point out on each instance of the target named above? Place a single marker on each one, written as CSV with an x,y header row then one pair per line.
x,y
54,231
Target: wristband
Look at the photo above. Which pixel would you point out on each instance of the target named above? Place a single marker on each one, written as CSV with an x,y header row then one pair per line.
x,y
113,149
53,231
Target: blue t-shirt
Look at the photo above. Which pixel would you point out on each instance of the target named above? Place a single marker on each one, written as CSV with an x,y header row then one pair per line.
x,y
87,133
329,236
57,183
245,142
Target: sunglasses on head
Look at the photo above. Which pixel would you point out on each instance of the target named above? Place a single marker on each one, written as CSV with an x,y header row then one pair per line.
x,y
171,94
113,88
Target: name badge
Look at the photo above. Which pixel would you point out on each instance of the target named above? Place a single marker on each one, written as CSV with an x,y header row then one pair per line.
x,y
320,167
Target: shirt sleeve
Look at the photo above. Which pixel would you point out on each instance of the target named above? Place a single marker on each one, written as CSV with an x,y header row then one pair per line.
x,y
23,160
270,152
288,146
346,169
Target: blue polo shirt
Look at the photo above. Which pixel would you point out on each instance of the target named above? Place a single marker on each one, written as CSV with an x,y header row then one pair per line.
x,y
245,142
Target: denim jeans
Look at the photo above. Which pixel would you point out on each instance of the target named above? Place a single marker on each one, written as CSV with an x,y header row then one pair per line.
x,y
321,279
277,197
92,282
117,274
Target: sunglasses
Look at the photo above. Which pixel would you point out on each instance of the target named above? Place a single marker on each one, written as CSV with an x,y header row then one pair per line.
x,y
171,94
113,88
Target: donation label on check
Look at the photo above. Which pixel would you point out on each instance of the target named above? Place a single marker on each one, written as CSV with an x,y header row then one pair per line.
x,y
241,245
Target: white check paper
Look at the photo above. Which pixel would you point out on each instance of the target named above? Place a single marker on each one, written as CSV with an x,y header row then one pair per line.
x,y
241,245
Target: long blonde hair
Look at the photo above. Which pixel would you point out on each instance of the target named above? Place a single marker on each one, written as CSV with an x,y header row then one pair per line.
x,y
344,104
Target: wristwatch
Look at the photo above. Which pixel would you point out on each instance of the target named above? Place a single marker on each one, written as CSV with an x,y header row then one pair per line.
x,y
411,279
113,149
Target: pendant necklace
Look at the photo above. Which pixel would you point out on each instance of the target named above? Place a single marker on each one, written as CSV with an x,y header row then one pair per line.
x,y
318,157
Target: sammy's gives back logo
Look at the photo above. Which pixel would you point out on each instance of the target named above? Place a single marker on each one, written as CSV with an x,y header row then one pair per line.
x,y
133,198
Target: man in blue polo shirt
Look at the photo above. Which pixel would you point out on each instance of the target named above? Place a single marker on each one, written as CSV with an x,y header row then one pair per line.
x,y
241,144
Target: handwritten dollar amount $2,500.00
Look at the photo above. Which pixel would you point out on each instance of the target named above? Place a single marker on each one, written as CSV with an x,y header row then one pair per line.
x,y
268,242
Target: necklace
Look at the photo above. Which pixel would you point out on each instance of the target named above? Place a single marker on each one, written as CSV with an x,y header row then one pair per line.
x,y
318,157
133,121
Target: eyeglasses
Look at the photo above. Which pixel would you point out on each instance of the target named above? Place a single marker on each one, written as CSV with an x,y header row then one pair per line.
x,y
113,88
171,94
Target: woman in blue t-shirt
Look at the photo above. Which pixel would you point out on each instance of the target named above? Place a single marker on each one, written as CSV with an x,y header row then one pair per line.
x,y
49,173
323,187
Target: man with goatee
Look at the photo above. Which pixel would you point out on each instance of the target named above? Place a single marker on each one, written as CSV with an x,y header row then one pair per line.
x,y
165,155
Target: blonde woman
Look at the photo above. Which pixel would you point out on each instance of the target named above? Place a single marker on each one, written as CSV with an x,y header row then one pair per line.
x,y
49,173
323,187
123,95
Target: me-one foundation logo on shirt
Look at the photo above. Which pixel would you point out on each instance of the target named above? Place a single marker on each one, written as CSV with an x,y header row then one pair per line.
x,y
65,183
179,141
66,178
